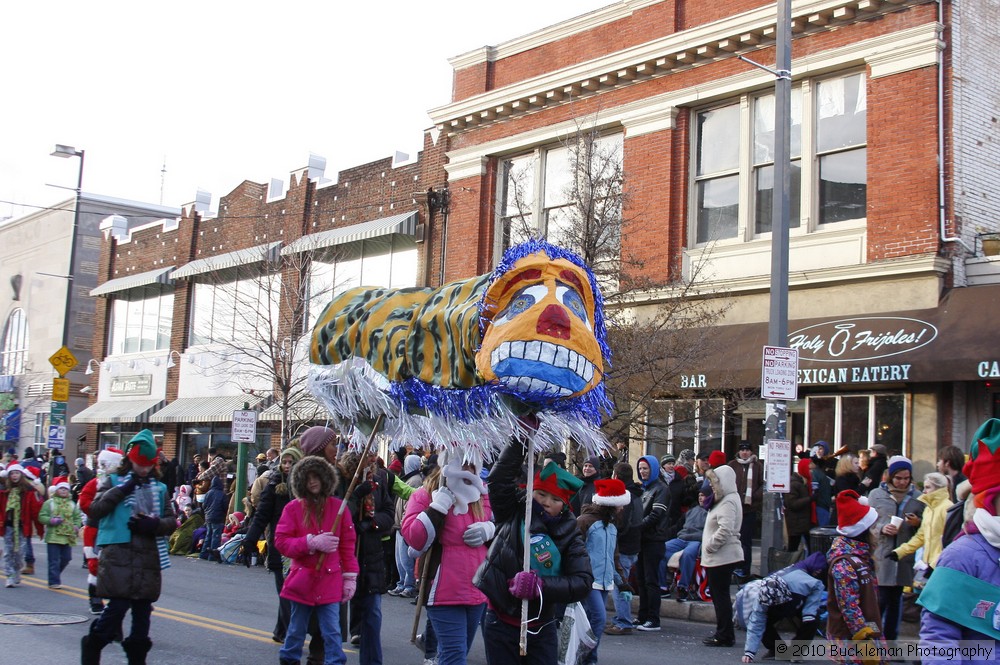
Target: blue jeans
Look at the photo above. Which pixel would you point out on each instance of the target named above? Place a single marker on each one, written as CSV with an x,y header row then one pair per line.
x,y
455,627
329,625
13,557
213,537
369,609
29,552
59,558
405,565
690,549
623,608
595,604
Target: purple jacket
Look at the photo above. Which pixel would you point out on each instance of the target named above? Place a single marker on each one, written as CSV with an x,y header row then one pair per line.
x,y
972,555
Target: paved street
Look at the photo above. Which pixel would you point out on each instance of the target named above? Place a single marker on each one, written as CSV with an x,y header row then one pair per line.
x,y
213,613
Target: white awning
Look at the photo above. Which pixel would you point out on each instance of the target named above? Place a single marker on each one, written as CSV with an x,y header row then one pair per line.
x,y
305,409
204,409
158,276
241,257
118,411
403,224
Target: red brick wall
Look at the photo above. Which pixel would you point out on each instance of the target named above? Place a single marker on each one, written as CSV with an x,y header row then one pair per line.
x,y
902,167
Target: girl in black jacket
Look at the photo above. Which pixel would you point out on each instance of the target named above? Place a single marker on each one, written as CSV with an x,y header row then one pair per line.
x,y
559,570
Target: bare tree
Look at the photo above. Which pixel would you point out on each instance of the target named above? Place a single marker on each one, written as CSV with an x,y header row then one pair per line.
x,y
253,318
657,328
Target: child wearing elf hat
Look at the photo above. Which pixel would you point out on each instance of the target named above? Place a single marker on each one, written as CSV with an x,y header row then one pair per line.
x,y
62,519
597,526
135,518
559,566
960,599
852,604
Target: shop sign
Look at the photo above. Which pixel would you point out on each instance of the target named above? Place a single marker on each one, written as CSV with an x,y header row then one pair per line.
x,y
858,374
989,369
859,339
139,384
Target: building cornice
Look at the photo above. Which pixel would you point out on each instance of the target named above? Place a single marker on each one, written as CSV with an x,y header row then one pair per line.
x,y
729,37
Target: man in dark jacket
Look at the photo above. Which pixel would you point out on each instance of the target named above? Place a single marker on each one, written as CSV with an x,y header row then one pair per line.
x,y
215,519
877,464
750,487
654,534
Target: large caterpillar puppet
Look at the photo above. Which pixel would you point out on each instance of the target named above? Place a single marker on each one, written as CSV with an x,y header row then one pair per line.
x,y
519,352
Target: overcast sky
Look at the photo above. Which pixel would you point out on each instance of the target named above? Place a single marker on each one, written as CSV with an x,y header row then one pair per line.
x,y
227,91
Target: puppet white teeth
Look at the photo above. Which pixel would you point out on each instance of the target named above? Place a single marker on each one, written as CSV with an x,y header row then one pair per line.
x,y
548,353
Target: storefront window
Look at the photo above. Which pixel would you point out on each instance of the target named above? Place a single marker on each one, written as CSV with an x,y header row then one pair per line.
x,y
674,425
857,421
118,436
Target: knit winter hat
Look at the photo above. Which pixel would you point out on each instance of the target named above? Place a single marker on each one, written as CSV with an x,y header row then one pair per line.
x,y
593,461
558,482
611,492
717,459
803,468
142,449
291,451
315,439
667,459
854,515
983,467
396,466
899,463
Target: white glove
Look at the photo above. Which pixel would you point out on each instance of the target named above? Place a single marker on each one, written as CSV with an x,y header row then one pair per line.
x,y
442,500
479,533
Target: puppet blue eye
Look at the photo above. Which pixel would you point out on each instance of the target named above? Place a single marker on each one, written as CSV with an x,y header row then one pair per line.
x,y
573,302
521,302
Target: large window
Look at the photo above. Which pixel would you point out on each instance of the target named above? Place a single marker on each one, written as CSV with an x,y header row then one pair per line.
x,y
390,261
858,421
230,307
677,424
733,161
570,194
141,320
14,351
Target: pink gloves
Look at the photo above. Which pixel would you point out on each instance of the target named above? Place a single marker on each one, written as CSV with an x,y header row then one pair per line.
x,y
324,542
350,586
55,521
525,585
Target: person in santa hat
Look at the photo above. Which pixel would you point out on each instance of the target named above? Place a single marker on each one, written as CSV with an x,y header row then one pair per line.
x,y
19,507
597,526
135,517
63,520
960,598
852,604
107,461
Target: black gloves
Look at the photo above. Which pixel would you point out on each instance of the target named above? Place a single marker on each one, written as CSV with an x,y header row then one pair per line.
x,y
364,489
145,525
127,485
892,556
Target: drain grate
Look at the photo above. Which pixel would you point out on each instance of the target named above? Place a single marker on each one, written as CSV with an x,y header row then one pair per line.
x,y
41,619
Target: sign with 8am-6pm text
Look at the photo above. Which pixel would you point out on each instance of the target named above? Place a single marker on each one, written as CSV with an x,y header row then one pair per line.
x,y
779,374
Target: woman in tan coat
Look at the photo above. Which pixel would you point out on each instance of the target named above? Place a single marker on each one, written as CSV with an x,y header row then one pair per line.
x,y
721,551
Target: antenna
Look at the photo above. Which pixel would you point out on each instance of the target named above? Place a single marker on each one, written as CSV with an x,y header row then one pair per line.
x,y
163,178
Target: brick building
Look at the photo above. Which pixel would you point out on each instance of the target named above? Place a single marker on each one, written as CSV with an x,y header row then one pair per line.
x,y
885,249
204,313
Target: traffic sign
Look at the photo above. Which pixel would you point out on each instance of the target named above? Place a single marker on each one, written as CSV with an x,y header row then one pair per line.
x,y
244,426
63,360
60,390
779,374
778,466
57,436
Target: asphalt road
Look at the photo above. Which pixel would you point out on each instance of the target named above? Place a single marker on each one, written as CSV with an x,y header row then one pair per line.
x,y
215,613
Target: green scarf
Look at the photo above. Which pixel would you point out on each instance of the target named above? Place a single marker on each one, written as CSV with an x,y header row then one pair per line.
x,y
14,506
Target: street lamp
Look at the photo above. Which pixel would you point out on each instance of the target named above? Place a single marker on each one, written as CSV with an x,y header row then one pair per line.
x,y
67,151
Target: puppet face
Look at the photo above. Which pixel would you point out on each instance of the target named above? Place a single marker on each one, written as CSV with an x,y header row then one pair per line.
x,y
541,333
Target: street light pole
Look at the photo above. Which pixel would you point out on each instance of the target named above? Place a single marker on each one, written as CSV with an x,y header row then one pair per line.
x,y
66,151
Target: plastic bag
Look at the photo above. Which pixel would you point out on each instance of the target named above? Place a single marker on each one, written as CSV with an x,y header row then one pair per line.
x,y
576,638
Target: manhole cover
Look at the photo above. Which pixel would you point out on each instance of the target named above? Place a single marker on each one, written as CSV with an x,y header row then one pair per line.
x,y
41,619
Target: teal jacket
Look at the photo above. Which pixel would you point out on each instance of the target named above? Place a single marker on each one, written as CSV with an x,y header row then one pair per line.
x,y
114,526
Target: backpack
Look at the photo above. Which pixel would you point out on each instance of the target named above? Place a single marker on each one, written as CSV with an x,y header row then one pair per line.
x,y
231,550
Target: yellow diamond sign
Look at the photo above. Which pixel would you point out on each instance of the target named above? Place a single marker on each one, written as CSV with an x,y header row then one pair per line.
x,y
63,360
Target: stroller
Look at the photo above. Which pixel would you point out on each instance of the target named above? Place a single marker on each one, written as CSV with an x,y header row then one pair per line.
x,y
230,552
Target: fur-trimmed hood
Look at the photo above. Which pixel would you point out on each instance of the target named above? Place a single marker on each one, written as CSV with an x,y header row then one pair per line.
x,y
723,480
323,469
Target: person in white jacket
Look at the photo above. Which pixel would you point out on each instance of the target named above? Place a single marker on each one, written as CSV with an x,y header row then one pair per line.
x,y
806,583
721,551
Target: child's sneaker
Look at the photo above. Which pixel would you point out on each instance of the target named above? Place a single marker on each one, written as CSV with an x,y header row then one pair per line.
x,y
55,586
398,591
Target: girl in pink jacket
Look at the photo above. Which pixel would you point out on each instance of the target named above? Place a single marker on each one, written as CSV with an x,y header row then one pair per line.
x,y
323,570
449,520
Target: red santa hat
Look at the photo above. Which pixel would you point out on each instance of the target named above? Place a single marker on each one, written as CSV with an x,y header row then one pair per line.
x,y
25,471
108,460
716,459
611,492
58,483
854,515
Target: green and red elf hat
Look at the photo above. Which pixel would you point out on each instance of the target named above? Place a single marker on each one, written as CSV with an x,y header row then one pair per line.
x,y
142,449
557,481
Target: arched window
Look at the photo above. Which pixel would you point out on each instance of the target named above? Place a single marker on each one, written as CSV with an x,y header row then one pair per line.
x,y
14,351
